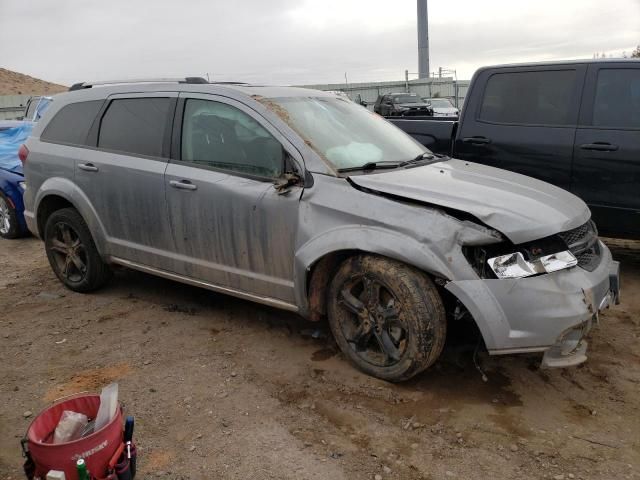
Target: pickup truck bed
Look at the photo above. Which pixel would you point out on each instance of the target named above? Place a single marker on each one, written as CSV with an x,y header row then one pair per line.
x,y
436,135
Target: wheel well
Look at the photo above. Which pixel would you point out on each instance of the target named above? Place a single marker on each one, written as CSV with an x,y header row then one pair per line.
x,y
47,206
322,271
462,325
319,279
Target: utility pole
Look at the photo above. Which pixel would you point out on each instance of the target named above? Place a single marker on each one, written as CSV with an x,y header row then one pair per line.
x,y
423,40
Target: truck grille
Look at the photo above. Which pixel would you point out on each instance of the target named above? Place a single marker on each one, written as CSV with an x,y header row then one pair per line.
x,y
583,243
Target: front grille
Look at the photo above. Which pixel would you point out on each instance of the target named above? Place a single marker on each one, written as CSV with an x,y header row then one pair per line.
x,y
583,243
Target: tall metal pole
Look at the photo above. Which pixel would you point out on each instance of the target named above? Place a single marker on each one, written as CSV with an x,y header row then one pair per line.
x,y
423,39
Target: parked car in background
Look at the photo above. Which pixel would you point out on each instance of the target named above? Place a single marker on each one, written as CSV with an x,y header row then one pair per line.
x,y
573,124
305,201
401,105
442,107
13,133
12,224
35,107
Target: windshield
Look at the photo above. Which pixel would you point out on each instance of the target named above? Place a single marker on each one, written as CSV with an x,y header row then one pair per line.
x,y
346,134
407,99
441,103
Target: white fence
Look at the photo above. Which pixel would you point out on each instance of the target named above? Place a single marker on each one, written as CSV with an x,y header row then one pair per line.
x,y
12,106
455,90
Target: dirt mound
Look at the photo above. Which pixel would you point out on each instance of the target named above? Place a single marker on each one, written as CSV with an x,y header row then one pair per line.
x,y
14,83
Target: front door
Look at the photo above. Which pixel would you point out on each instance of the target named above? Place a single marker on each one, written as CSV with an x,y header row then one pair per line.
x,y
231,226
607,148
123,178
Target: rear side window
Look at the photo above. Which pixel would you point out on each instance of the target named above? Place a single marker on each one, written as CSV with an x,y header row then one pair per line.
x,y
135,125
617,102
533,98
72,123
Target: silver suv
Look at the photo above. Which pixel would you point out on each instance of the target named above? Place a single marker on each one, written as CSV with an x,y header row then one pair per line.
x,y
305,201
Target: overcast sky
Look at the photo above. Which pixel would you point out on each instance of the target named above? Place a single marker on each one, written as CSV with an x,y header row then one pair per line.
x,y
299,41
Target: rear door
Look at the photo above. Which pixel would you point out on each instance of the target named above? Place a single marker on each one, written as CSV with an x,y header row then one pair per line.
x,y
231,227
123,176
523,120
607,148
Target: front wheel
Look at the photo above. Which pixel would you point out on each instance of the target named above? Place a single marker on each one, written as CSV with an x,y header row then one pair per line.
x,y
386,317
8,219
72,253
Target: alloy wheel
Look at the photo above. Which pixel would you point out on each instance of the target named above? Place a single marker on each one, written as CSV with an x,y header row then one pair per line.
x,y
5,217
374,329
69,253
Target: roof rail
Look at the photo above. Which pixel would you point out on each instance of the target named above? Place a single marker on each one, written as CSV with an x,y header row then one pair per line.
x,y
82,85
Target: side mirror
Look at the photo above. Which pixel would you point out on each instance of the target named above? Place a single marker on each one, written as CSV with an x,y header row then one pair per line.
x,y
286,181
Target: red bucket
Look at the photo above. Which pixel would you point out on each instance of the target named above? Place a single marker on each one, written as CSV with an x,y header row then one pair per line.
x,y
96,449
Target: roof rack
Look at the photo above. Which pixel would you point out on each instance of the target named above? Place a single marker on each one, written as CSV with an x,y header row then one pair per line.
x,y
82,85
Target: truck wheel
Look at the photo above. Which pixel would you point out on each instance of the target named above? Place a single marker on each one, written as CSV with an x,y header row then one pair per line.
x,y
72,253
8,219
386,317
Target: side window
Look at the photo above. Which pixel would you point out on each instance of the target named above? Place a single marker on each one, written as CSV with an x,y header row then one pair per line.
x,y
529,98
135,125
72,123
617,100
218,135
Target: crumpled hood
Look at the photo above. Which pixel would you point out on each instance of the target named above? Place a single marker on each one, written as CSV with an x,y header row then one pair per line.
x,y
520,207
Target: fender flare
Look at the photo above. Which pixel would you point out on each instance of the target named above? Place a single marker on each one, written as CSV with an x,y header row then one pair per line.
x,y
66,189
375,240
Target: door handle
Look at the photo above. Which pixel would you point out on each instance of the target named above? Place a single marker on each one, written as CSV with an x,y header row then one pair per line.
x,y
599,146
88,167
476,140
183,185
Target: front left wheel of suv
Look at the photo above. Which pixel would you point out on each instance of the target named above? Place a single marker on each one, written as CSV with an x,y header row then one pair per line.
x,y
387,317
72,252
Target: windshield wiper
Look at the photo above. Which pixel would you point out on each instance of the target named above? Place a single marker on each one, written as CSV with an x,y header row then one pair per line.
x,y
373,166
422,156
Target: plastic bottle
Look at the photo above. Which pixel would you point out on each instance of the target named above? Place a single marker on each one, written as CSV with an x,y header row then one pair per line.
x,y
83,473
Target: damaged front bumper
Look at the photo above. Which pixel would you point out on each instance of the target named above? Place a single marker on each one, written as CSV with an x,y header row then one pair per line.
x,y
549,313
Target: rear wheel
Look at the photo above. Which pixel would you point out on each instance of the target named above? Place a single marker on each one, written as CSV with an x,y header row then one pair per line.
x,y
386,317
8,219
72,253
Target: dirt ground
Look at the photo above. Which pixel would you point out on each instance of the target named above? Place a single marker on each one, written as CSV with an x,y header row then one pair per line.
x,y
223,388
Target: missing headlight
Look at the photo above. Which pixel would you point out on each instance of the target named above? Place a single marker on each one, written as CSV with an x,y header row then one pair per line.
x,y
506,260
514,265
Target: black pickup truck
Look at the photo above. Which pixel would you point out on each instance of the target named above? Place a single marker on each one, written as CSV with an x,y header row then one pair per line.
x,y
574,124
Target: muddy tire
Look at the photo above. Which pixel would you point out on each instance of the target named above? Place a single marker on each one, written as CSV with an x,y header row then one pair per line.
x,y
8,219
387,317
72,253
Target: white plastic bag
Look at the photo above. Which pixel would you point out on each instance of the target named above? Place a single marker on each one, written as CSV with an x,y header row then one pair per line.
x,y
70,426
108,406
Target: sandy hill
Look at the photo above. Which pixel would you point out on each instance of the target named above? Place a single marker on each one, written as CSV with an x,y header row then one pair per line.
x,y
14,83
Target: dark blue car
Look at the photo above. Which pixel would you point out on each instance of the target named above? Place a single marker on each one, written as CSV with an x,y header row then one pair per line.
x,y
12,136
13,133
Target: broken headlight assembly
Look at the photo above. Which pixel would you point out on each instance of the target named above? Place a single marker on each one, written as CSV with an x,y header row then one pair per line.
x,y
506,260
514,265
